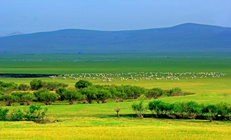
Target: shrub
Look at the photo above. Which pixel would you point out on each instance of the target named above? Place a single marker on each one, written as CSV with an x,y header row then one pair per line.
x,y
3,114
23,87
36,84
7,87
24,97
83,84
46,96
16,115
35,113
174,92
8,99
72,95
53,85
90,93
61,92
155,93
139,109
1,93
102,95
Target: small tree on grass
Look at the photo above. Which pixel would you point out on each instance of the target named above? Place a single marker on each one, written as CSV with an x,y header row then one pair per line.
x,y
83,84
72,95
117,110
139,109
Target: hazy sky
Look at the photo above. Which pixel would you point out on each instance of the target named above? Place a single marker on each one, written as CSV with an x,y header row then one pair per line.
x,y
29,16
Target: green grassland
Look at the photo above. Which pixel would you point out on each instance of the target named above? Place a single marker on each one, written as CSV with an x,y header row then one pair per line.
x,y
99,121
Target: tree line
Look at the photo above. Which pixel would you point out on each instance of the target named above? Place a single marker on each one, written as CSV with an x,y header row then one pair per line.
x,y
184,110
49,92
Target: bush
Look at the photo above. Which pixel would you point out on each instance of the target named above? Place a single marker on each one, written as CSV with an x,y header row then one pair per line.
x,y
139,109
46,96
35,113
90,93
24,97
83,84
102,95
23,87
36,84
61,92
3,114
7,87
72,95
53,85
155,93
16,115
8,99
1,93
174,92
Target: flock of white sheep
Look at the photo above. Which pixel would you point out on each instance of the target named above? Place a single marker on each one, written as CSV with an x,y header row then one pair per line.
x,y
139,76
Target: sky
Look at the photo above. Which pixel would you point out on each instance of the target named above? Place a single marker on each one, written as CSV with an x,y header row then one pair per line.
x,y
29,16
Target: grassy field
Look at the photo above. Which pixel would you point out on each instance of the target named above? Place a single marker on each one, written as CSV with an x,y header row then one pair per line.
x,y
99,121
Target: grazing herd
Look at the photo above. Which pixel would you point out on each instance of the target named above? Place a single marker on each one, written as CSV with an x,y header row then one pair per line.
x,y
140,76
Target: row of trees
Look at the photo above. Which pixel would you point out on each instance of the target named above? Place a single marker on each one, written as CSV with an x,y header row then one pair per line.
x,y
189,110
85,90
34,85
34,113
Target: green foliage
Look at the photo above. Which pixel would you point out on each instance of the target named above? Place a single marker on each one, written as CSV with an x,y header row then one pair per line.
x,y
1,93
82,84
17,115
139,109
174,92
3,114
35,113
189,110
103,95
155,93
23,87
53,85
90,93
46,96
61,92
7,87
9,99
72,95
36,84
24,97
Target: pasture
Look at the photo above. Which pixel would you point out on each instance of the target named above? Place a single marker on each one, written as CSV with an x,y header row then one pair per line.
x,y
99,121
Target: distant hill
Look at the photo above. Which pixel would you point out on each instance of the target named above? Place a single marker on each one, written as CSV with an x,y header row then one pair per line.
x,y
187,37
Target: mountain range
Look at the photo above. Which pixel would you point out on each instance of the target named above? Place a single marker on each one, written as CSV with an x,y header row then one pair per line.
x,y
188,37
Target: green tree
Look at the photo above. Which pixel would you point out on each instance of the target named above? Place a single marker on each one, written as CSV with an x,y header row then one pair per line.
x,y
139,109
46,96
90,93
36,84
82,84
72,95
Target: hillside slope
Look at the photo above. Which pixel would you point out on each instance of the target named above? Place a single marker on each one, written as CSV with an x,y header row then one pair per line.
x,y
187,37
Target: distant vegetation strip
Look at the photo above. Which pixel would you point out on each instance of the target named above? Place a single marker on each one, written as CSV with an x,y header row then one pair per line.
x,y
184,110
85,92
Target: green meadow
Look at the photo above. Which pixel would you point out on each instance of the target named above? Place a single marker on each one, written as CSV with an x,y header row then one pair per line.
x,y
99,121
